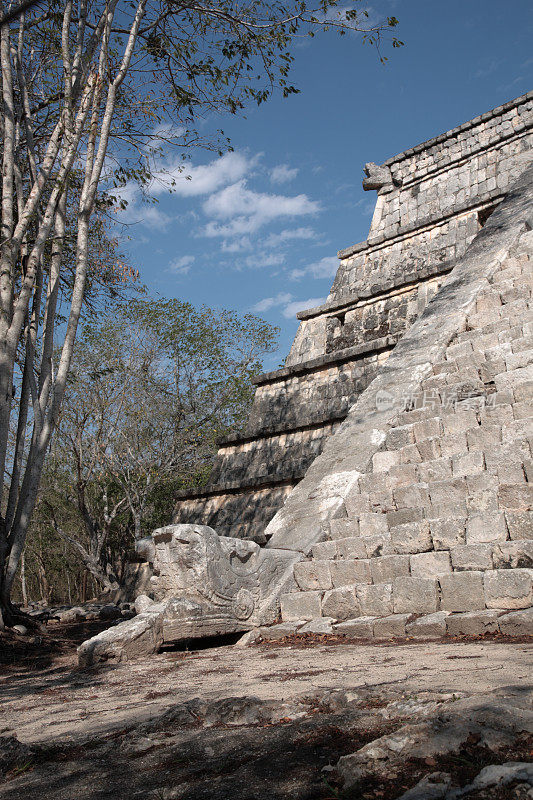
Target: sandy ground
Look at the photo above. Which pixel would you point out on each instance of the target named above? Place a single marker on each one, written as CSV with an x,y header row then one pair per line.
x,y
90,728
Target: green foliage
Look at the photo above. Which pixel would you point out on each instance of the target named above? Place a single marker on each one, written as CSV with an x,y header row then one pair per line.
x,y
154,383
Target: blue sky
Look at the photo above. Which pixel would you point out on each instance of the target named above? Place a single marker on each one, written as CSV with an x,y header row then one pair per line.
x,y
258,229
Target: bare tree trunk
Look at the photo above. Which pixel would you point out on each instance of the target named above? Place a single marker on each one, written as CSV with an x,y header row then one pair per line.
x,y
23,580
83,94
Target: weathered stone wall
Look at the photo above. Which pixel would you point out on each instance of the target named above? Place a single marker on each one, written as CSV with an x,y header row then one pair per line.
x,y
418,517
235,510
436,199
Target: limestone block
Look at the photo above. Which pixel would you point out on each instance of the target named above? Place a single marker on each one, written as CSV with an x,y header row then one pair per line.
x,y
301,606
450,492
413,537
379,545
429,450
341,603
320,625
385,568
519,524
359,628
472,623
517,623
428,626
515,498
375,601
343,528
403,475
514,554
459,422
453,443
404,515
439,469
412,496
373,524
468,464
384,460
506,588
391,627
427,429
399,437
410,454
447,533
311,575
324,551
462,591
414,595
430,565
346,572
137,637
486,528
352,547
275,632
356,503
472,557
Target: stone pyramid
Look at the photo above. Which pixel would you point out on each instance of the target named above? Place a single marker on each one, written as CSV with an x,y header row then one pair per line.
x,y
432,201
387,469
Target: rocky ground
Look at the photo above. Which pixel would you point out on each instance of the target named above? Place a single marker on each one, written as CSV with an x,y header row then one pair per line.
x,y
307,717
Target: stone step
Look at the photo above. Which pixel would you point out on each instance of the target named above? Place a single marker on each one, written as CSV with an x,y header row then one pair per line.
x,y
475,590
453,553
467,469
411,626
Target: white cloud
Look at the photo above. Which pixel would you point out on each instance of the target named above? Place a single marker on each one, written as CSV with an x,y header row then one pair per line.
x,y
164,133
325,268
265,260
247,211
299,305
277,239
191,181
137,211
181,266
487,67
271,302
237,245
283,174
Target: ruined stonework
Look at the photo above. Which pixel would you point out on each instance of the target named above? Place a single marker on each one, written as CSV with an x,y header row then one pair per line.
x,y
202,585
432,201
388,467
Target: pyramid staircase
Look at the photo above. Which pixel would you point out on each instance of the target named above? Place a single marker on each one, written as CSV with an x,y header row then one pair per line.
x,y
432,201
436,535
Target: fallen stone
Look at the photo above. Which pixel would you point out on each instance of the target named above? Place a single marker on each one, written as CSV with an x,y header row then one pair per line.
x,y
472,623
431,787
428,626
320,625
517,623
250,637
75,614
495,725
360,628
274,632
139,636
391,627
22,629
496,775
